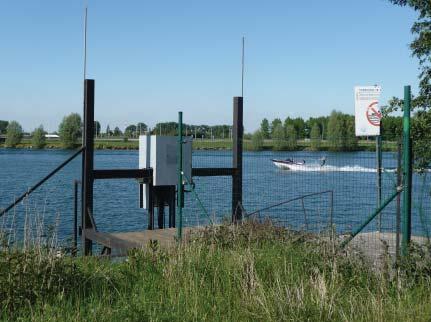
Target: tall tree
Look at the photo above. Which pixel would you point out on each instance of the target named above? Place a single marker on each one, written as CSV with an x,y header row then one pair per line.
x,y
108,131
274,124
392,128
130,131
291,142
421,49
117,131
38,140
14,134
97,128
264,128
279,138
299,125
257,141
341,132
315,137
70,130
141,128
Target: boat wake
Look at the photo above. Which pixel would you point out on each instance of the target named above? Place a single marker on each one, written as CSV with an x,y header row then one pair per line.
x,y
328,168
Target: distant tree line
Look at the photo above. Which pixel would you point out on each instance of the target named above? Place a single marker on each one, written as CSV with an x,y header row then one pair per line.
x,y
337,129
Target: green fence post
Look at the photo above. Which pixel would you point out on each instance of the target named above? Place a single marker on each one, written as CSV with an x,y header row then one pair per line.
x,y
180,177
407,174
379,177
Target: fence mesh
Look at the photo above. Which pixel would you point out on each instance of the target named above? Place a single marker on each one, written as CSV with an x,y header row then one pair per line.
x,y
338,196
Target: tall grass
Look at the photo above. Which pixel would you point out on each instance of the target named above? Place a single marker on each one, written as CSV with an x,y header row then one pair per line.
x,y
249,272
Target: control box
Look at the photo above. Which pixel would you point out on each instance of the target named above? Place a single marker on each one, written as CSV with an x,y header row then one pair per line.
x,y
161,153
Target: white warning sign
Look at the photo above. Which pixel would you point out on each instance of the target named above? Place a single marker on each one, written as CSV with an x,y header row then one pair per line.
x,y
367,110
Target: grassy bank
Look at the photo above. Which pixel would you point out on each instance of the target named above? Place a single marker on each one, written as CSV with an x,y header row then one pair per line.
x,y
253,272
198,144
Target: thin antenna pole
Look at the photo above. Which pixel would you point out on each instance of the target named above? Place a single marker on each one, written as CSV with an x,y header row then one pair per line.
x,y
242,64
85,42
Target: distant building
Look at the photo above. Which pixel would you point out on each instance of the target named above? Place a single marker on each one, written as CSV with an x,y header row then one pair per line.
x,y
52,136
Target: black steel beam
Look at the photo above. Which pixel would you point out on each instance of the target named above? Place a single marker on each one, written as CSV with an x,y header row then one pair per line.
x,y
237,137
88,164
213,172
123,174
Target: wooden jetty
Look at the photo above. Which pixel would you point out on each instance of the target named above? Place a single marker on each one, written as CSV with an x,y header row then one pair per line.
x,y
122,242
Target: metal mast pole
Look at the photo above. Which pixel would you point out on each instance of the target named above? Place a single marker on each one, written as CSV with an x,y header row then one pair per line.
x,y
407,173
180,177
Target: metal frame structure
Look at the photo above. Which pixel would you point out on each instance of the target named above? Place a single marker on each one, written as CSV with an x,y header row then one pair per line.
x,y
89,174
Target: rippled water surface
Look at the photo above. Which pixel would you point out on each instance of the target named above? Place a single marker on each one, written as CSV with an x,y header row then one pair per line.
x,y
351,177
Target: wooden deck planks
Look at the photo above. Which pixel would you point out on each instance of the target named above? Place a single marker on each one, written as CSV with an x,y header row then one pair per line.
x,y
124,241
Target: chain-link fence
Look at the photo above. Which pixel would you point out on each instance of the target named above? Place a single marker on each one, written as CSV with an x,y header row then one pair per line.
x,y
315,192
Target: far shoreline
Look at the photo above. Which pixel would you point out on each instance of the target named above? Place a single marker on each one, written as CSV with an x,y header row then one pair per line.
x,y
216,145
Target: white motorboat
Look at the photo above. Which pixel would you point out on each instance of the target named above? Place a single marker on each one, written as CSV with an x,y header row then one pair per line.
x,y
288,164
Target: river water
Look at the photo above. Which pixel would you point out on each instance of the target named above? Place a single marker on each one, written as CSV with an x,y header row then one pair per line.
x,y
350,178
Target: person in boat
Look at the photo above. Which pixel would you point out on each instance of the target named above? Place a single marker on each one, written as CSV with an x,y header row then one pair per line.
x,y
322,161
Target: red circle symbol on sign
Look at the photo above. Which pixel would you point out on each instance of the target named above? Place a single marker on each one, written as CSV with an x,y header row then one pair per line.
x,y
374,115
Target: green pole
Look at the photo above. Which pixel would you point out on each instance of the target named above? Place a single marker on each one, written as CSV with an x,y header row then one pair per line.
x,y
370,217
379,177
180,177
407,174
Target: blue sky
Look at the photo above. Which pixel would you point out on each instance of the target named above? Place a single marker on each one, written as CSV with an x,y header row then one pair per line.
x,y
151,59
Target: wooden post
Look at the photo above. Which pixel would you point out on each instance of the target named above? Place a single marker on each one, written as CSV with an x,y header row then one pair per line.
x,y
237,135
75,218
88,164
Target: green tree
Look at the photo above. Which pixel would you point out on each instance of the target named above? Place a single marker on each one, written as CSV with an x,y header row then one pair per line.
x,y
335,131
279,138
130,131
341,132
141,128
117,131
70,130
274,124
351,141
315,137
108,131
14,134
392,128
264,128
257,141
3,126
421,49
97,128
291,142
299,125
38,140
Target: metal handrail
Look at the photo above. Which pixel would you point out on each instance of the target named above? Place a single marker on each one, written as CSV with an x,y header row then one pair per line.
x,y
288,201
37,185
